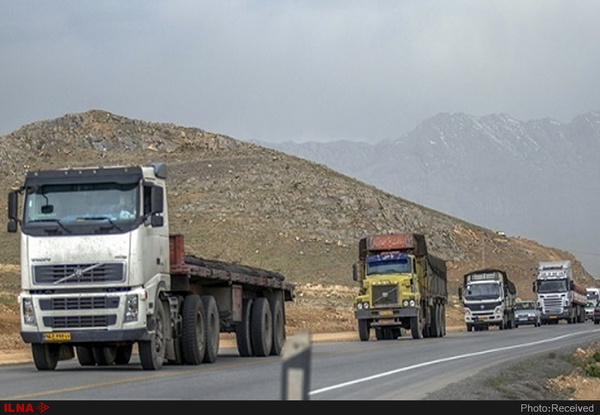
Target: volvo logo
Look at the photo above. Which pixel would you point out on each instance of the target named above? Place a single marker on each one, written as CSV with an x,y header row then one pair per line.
x,y
78,273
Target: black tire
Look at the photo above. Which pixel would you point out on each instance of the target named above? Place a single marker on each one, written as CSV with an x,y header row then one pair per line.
x,y
45,356
85,356
261,327
193,330
104,355
435,328
152,352
213,328
242,330
123,355
364,331
416,328
379,333
278,327
443,318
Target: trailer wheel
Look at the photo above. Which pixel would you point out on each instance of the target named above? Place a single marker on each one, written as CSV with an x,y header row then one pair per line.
x,y
242,330
85,356
262,327
105,355
364,331
443,318
278,327
124,354
45,356
193,331
152,352
213,328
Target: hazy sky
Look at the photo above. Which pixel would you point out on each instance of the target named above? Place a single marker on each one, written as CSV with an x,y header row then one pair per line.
x,y
304,70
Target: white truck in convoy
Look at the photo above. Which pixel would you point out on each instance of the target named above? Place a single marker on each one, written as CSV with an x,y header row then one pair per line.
x,y
100,272
559,296
489,299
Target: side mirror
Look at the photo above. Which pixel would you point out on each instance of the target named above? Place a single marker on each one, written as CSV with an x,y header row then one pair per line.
x,y
354,272
157,220
13,211
157,199
533,286
460,293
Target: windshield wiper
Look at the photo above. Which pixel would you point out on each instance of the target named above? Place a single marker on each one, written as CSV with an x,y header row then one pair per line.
x,y
100,217
62,225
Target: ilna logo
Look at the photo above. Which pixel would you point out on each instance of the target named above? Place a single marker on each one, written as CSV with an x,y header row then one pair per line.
x,y
25,407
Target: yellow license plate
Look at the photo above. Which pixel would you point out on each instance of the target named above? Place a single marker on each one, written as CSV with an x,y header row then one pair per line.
x,y
57,336
384,313
483,318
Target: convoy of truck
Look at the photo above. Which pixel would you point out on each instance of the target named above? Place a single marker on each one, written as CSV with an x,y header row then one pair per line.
x,y
402,286
489,298
100,273
559,296
98,277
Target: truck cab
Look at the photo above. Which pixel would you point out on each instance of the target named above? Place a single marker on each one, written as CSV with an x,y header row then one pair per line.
x,y
94,256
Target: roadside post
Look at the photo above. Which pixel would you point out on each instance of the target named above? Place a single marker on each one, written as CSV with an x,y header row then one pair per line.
x,y
296,367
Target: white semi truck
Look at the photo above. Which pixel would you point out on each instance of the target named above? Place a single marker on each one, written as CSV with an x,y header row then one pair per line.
x,y
100,272
559,296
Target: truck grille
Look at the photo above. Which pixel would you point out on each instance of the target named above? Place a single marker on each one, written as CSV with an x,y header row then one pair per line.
x,y
78,273
385,295
79,303
71,322
552,305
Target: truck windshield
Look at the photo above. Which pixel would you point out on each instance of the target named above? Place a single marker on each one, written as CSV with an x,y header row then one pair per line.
x,y
552,286
391,266
487,291
77,203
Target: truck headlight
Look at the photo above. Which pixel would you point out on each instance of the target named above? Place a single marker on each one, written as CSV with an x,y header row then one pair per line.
x,y
131,308
408,303
28,311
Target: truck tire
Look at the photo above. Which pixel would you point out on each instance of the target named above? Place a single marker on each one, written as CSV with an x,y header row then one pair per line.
x,y
123,354
85,356
364,331
261,327
435,328
104,355
45,356
193,330
278,327
443,317
213,328
242,330
152,352
416,328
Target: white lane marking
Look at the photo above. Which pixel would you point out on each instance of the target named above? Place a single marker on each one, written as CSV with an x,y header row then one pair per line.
x,y
446,359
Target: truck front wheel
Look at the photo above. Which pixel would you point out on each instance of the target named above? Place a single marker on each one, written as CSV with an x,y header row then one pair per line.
x,y
152,352
45,356
364,331
416,327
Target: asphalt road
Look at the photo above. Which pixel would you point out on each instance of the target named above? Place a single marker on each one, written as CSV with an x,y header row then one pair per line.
x,y
405,369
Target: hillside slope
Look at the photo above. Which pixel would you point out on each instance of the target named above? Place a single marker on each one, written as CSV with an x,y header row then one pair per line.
x,y
240,202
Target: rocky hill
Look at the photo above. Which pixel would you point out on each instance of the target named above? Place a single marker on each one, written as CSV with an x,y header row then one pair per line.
x,y
237,201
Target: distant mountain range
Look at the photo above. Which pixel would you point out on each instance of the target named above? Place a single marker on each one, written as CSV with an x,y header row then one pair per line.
x,y
536,179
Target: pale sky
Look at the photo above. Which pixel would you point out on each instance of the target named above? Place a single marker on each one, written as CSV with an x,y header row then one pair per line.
x,y
304,70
